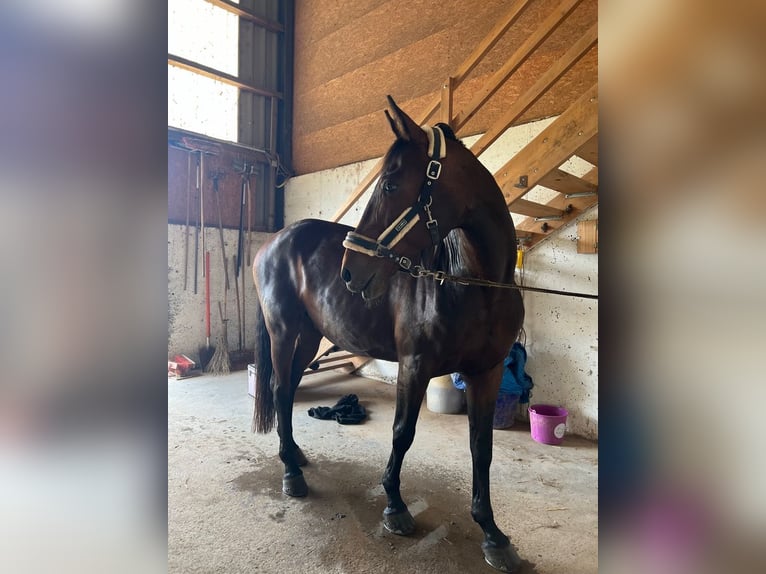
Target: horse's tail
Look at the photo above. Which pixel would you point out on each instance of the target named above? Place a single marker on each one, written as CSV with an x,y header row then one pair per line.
x,y
263,412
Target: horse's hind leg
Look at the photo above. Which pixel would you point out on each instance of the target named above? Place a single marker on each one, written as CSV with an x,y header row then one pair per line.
x,y
305,351
481,393
291,354
410,390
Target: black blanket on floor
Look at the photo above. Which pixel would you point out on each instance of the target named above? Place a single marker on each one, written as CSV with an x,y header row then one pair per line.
x,y
347,411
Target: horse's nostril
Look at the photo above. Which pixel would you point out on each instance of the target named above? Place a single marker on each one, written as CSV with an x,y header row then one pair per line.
x,y
345,274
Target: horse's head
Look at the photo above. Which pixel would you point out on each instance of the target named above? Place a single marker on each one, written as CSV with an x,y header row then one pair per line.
x,y
415,203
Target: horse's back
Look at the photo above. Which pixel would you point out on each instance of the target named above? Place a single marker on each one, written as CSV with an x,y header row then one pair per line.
x,y
301,239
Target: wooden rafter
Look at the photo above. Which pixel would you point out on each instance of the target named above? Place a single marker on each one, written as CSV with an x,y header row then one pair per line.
x,y
521,55
570,207
566,183
554,145
463,70
589,151
533,94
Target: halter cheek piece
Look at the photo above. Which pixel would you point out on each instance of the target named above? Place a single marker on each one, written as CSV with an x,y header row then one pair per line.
x,y
383,246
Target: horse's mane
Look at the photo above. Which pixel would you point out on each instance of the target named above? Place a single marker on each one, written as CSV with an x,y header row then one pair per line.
x,y
452,255
448,133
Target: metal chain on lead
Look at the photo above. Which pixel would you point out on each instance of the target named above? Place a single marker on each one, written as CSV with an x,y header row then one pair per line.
x,y
418,271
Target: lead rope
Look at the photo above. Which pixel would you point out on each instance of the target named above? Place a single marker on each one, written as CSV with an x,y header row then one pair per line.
x,y
420,272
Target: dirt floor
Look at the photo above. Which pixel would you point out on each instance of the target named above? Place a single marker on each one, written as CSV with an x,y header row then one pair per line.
x,y
227,512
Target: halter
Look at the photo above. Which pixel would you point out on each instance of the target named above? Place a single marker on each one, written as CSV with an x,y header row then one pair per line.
x,y
382,246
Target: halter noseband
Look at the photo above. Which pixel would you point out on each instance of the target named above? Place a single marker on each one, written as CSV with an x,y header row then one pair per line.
x,y
382,247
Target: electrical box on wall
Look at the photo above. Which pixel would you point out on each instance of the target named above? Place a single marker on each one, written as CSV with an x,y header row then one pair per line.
x,y
587,236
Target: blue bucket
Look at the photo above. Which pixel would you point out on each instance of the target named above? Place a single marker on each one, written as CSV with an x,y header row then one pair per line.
x,y
505,410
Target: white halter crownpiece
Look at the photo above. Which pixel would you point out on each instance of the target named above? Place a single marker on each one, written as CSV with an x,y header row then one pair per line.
x,y
435,142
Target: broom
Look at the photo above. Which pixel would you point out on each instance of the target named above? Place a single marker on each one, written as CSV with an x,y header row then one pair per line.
x,y
220,363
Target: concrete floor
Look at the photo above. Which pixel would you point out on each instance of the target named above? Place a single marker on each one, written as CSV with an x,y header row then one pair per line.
x,y
227,513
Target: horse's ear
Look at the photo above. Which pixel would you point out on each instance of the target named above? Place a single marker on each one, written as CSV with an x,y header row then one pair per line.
x,y
398,130
402,125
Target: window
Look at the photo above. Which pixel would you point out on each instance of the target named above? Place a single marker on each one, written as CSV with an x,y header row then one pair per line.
x,y
230,80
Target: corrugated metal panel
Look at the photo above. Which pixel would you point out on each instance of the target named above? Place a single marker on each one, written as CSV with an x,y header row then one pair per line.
x,y
262,58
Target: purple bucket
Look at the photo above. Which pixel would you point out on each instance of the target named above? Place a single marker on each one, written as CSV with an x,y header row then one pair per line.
x,y
548,423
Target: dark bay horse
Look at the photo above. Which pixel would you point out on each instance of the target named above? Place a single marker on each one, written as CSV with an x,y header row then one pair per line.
x,y
434,207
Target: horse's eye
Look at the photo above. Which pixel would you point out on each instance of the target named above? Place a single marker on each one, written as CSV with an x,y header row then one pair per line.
x,y
388,187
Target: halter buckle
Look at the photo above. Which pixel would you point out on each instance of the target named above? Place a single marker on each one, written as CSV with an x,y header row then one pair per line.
x,y
405,263
434,169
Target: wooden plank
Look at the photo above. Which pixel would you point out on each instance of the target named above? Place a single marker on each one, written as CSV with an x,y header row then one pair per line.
x,y
213,74
532,209
324,346
446,104
587,236
360,361
545,228
540,87
513,63
248,15
554,145
335,357
566,183
574,206
347,365
589,151
490,40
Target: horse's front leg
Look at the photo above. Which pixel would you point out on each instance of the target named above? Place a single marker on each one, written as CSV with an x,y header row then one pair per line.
x,y
481,395
410,389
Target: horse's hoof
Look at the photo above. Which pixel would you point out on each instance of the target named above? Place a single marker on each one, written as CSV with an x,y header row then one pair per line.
x,y
401,523
295,485
503,559
301,458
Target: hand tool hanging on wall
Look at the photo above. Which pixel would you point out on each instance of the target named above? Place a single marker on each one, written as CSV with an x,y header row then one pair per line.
x,y
202,207
196,224
186,229
245,206
202,147
239,309
244,322
241,222
206,352
220,363
249,218
220,230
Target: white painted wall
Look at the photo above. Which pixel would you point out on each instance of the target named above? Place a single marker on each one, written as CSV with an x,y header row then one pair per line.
x,y
562,333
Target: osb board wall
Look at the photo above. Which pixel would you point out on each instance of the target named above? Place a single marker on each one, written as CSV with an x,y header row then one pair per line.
x,y
350,53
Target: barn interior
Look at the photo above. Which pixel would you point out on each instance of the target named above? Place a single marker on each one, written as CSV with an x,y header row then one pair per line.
x,y
296,130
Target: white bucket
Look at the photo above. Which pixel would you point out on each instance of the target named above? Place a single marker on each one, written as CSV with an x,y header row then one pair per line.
x,y
442,396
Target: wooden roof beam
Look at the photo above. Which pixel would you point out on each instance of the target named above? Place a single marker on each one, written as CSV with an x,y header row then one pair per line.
x,y
589,151
552,147
571,209
463,70
532,209
540,87
521,55
566,183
